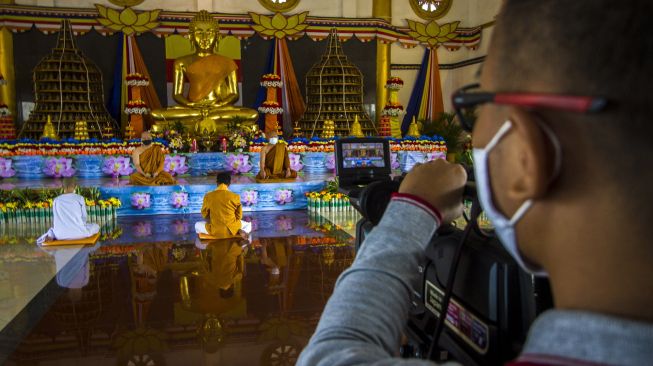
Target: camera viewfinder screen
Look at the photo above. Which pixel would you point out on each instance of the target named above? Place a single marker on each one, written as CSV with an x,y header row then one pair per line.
x,y
363,155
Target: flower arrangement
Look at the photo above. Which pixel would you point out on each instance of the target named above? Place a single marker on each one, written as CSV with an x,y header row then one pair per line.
x,y
137,106
295,162
140,200
237,140
421,144
59,167
394,83
270,107
46,147
179,199
327,200
271,81
249,197
117,166
6,171
174,138
283,196
175,165
238,164
136,79
392,110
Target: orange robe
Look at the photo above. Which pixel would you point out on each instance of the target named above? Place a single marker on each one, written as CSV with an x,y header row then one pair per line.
x,y
151,160
206,73
223,211
277,162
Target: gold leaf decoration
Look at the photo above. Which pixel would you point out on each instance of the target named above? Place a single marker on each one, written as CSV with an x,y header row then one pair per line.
x,y
279,26
432,33
127,20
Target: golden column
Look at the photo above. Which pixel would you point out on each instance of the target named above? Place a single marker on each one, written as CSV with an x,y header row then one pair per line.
x,y
382,9
7,91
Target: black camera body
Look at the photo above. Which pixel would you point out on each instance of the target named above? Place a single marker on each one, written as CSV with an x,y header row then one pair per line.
x,y
491,303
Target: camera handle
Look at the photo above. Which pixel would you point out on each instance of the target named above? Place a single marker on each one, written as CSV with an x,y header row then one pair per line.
x,y
471,225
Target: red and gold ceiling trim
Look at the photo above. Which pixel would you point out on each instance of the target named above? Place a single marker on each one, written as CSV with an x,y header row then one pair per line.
x,y
22,18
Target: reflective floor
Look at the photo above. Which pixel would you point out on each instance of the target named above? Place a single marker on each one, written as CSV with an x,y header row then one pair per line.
x,y
149,293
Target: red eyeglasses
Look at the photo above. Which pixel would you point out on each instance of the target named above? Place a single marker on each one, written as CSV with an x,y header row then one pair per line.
x,y
463,100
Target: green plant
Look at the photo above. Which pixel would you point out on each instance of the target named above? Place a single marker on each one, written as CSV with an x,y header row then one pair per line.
x,y
448,127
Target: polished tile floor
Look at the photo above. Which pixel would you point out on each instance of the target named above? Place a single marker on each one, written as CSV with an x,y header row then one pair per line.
x,y
149,293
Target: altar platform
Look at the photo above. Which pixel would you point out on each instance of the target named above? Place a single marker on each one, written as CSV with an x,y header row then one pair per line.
x,y
186,197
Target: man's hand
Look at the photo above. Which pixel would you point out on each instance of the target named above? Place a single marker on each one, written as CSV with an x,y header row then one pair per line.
x,y
288,173
439,183
263,175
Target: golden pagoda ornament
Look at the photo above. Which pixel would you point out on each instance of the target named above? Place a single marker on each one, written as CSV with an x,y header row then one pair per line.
x,y
81,130
413,129
328,129
356,129
129,132
68,88
48,130
334,92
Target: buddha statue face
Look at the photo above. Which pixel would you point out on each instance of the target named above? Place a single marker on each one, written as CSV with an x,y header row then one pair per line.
x,y
204,31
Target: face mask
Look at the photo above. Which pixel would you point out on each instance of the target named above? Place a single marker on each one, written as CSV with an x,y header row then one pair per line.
x,y
504,227
274,140
147,142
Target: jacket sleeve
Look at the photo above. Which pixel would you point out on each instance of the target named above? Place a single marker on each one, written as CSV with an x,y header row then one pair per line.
x,y
363,320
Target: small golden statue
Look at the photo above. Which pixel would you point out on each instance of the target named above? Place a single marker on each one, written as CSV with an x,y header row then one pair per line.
x,y
208,107
48,130
356,129
413,129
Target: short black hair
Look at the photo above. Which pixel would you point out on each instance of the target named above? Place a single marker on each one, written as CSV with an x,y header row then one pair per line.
x,y
585,47
227,293
223,178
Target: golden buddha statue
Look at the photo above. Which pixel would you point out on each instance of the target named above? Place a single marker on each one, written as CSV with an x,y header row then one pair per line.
x,y
208,106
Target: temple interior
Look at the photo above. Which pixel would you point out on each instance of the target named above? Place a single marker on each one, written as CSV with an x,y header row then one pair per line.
x,y
209,81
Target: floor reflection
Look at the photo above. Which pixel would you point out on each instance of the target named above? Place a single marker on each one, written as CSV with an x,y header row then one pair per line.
x,y
150,294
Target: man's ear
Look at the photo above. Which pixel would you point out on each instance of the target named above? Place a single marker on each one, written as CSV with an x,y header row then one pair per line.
x,y
531,147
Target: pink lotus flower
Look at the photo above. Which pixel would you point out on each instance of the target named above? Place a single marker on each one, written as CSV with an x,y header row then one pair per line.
x,y
117,166
394,161
435,155
142,229
5,168
59,167
140,200
238,164
249,197
175,165
284,223
295,162
180,227
252,221
179,199
283,196
331,162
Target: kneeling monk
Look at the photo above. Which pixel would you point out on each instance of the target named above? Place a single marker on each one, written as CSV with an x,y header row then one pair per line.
x,y
275,162
148,160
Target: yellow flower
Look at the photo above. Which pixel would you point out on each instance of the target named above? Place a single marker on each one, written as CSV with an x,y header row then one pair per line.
x,y
90,202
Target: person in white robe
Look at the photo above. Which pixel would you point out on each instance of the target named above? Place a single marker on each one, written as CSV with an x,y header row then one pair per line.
x,y
69,216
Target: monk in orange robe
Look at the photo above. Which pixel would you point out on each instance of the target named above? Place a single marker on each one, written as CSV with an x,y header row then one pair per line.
x,y
275,162
148,161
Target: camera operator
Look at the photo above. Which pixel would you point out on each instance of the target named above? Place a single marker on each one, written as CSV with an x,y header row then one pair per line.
x,y
563,157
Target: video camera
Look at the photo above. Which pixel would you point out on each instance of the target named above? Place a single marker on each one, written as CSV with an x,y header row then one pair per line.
x,y
490,301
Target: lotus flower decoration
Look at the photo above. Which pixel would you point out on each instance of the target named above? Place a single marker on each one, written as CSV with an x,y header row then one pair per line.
x,y
117,166
175,165
394,161
283,196
180,227
435,155
59,167
140,200
295,162
432,33
331,162
249,197
238,164
143,229
179,199
284,223
127,20
6,171
278,25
